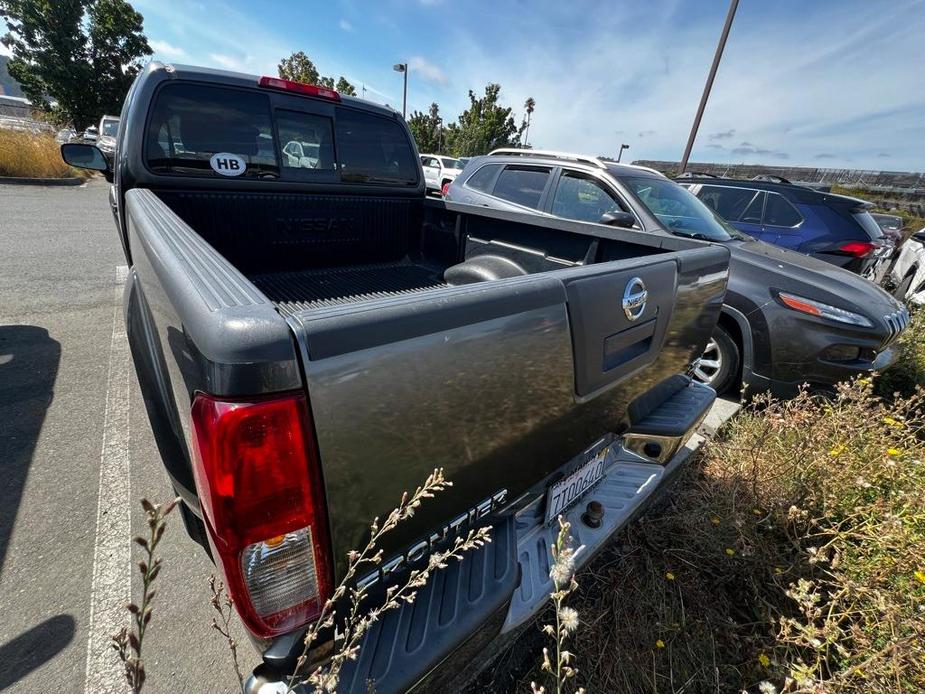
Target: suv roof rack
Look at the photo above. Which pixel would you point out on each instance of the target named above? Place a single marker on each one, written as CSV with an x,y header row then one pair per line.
x,y
547,154
771,178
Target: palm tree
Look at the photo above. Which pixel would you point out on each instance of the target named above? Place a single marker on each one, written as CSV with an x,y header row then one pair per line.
x,y
529,105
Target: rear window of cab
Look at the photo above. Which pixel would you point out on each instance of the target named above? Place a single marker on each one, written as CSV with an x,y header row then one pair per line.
x,y
218,132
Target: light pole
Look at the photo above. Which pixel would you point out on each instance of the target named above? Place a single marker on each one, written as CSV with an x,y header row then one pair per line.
x,y
620,154
733,4
403,68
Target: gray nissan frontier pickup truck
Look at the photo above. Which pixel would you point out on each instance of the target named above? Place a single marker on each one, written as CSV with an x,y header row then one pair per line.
x,y
312,336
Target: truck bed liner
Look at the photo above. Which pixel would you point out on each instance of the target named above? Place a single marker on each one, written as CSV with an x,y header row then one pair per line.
x,y
297,291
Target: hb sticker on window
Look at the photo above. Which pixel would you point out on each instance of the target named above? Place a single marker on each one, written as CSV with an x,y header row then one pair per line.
x,y
227,164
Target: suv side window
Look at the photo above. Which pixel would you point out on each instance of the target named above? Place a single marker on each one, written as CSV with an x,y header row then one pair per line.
x,y
523,185
582,198
430,161
730,203
780,213
752,213
481,179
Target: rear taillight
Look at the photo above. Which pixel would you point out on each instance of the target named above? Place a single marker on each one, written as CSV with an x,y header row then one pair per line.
x,y
859,249
298,87
259,484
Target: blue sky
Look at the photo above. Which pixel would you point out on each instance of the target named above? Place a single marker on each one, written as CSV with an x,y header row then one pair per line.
x,y
835,83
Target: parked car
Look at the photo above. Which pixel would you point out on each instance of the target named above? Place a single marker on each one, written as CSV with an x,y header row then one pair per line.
x,y
787,318
440,171
302,154
90,135
907,275
834,228
892,226
108,131
65,135
311,344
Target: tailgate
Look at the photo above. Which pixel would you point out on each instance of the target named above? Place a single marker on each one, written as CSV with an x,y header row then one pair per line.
x,y
500,383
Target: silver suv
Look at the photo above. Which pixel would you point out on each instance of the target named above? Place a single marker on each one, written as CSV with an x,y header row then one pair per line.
x,y
586,189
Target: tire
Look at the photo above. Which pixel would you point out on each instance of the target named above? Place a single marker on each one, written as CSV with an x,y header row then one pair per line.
x,y
444,189
904,286
719,364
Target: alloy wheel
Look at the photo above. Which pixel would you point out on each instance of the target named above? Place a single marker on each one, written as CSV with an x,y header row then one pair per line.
x,y
710,364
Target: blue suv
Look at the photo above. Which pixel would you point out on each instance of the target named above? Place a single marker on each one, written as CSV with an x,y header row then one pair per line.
x,y
834,228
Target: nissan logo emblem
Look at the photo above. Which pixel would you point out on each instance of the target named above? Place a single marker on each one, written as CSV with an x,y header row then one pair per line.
x,y
634,298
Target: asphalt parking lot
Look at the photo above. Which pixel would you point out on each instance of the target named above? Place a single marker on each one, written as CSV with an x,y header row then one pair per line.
x,y
71,417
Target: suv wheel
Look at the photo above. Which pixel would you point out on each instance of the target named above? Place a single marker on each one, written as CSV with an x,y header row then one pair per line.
x,y
904,286
718,366
445,188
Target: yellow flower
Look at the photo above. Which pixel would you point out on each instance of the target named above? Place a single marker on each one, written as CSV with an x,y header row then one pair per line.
x,y
730,551
893,451
889,421
920,576
864,381
659,644
837,450
778,570
757,511
764,660
715,520
669,576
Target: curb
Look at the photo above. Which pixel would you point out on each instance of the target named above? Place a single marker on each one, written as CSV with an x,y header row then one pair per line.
x,y
14,180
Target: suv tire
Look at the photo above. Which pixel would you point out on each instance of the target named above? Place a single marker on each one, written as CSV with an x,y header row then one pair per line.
x,y
719,363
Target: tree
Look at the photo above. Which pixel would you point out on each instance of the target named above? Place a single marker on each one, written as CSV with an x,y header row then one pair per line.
x,y
483,126
81,54
427,129
298,67
529,107
344,87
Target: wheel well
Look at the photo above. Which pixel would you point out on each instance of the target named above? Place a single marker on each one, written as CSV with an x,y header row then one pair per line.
x,y
731,326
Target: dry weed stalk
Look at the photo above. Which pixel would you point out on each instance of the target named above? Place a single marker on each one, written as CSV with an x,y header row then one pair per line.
x,y
562,574
224,605
352,626
128,642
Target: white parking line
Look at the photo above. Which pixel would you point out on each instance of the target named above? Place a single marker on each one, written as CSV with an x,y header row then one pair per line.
x,y
111,587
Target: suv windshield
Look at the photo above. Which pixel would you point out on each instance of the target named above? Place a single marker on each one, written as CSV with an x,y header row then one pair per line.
x,y
678,209
110,127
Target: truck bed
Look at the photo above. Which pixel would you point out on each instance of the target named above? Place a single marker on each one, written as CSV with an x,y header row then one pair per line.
x,y
292,292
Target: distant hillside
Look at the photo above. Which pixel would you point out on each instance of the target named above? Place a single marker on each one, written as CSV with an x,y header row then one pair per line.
x,y
8,86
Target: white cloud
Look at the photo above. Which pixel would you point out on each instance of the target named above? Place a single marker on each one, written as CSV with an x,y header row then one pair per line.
x,y
5,51
226,61
166,50
345,25
421,67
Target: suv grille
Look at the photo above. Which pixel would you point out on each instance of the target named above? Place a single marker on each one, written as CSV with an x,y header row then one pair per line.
x,y
896,322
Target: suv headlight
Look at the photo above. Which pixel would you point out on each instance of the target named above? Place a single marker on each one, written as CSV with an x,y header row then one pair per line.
x,y
817,308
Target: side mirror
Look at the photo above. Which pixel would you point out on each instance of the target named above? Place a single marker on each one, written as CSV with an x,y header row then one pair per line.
x,y
84,156
919,236
624,220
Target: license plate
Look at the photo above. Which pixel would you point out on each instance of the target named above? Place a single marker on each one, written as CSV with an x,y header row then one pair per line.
x,y
566,492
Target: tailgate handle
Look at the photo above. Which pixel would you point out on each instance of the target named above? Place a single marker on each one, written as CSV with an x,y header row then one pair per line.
x,y
626,345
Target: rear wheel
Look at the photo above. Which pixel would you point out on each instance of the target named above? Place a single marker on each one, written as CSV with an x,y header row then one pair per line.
x,y
904,286
445,188
718,366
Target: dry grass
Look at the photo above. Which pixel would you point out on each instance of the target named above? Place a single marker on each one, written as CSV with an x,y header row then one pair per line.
x,y
789,558
29,155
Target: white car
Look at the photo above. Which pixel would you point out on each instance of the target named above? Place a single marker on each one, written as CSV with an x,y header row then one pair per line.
x,y
302,155
440,172
108,130
908,272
